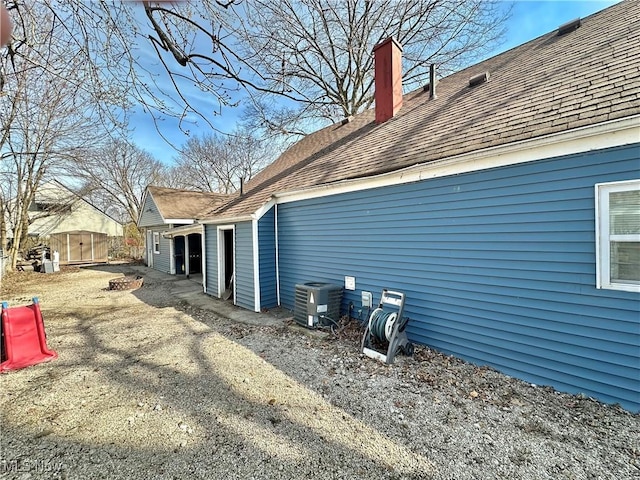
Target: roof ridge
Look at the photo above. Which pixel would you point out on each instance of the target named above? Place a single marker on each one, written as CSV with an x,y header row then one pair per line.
x,y
186,190
544,86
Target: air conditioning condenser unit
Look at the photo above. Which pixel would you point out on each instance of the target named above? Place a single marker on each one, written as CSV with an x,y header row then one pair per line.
x,y
317,304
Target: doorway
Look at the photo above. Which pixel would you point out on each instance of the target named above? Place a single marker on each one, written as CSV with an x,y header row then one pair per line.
x,y
194,242
226,270
178,248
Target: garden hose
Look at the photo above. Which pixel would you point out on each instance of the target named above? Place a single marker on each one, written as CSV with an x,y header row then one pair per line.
x,y
381,324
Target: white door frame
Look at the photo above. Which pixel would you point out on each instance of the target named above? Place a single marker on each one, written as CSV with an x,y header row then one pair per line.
x,y
149,248
221,259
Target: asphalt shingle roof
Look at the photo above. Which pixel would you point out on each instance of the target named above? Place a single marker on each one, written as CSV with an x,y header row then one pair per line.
x,y
184,204
548,85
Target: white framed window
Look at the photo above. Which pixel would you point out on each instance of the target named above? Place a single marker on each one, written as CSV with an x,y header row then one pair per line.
x,y
156,242
618,235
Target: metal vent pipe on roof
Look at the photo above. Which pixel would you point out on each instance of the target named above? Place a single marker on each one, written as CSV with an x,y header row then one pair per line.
x,y
478,79
433,81
569,26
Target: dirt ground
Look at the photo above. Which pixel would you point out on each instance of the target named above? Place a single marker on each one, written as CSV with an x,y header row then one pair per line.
x,y
149,386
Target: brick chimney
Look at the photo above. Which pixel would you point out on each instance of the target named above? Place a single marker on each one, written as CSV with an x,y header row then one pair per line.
x,y
388,79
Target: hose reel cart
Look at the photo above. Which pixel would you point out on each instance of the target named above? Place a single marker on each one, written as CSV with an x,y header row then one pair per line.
x,y
387,326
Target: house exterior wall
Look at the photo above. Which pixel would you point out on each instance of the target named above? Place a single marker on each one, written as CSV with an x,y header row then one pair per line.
x,y
498,265
244,272
162,260
150,215
267,259
211,259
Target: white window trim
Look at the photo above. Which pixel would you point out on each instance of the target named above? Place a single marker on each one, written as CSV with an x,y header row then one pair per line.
x,y
603,252
156,242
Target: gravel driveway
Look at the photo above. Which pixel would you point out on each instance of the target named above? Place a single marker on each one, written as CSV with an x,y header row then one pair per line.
x,y
147,386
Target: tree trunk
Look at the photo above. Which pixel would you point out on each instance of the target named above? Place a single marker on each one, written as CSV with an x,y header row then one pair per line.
x,y
3,227
15,246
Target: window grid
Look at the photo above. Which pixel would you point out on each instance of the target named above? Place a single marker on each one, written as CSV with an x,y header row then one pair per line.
x,y
618,235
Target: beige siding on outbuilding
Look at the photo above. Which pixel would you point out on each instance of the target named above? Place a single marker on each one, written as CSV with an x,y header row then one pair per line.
x,y
80,247
83,217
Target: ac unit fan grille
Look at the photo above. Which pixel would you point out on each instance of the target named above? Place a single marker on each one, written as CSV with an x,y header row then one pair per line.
x,y
314,301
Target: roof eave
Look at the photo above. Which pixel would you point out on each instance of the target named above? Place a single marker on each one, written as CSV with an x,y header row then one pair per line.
x,y
179,220
624,131
232,219
183,230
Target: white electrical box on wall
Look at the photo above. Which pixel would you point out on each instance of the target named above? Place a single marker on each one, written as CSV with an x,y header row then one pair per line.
x,y
349,283
367,299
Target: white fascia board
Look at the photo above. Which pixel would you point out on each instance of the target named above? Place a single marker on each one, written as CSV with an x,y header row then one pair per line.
x,y
227,220
258,214
580,140
179,220
183,230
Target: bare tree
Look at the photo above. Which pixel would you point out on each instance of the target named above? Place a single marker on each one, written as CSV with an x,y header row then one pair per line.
x,y
301,61
70,36
105,37
70,71
312,56
193,46
150,54
319,52
46,119
218,163
115,175
297,59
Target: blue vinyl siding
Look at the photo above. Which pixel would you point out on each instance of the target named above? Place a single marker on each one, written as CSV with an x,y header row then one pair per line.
x,y
151,220
162,260
498,267
267,242
211,246
244,279
150,214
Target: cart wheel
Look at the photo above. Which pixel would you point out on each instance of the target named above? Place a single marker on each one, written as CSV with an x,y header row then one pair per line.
x,y
408,350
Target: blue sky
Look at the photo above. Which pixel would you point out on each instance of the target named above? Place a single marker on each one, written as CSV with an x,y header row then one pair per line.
x,y
529,20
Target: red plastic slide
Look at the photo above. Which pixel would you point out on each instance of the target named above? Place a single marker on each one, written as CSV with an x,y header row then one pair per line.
x,y
24,342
